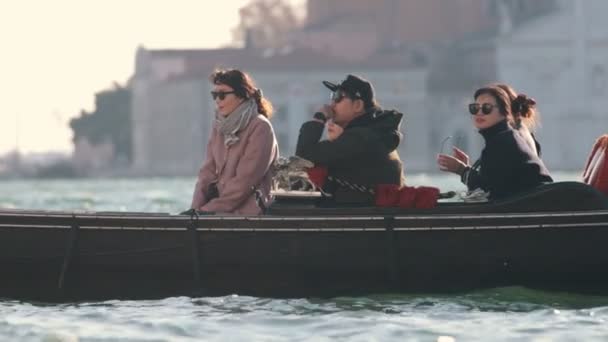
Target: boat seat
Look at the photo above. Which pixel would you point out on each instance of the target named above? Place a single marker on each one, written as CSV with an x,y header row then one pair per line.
x,y
552,197
596,170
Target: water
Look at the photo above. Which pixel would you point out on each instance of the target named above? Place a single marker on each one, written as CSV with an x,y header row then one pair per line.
x,y
170,195
496,315
504,314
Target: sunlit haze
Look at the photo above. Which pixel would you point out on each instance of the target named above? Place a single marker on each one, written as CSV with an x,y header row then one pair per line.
x,y
57,54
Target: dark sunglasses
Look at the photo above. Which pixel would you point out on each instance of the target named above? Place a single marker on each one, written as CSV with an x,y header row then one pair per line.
x,y
220,94
339,95
486,108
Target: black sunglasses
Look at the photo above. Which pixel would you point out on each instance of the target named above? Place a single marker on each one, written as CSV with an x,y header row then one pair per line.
x,y
486,108
220,94
339,95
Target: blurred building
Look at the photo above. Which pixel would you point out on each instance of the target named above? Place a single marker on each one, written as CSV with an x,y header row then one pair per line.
x,y
356,29
557,54
425,58
561,60
89,158
102,138
173,111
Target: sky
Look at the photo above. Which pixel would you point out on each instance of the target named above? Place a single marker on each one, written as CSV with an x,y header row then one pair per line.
x,y
56,54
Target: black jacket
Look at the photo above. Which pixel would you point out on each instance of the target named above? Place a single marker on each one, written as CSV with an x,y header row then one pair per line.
x,y
507,164
365,154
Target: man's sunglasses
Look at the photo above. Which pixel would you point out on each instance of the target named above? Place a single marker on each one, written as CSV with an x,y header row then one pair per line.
x,y
486,108
220,94
338,96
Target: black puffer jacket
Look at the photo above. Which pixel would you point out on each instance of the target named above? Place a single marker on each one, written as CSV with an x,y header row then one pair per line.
x,y
507,164
365,154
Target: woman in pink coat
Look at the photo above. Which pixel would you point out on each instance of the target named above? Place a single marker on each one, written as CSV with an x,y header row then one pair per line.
x,y
241,150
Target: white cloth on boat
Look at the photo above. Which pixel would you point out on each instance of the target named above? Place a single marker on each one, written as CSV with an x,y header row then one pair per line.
x,y
475,196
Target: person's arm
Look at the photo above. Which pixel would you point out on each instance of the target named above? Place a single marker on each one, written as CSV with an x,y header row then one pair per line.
x,y
252,167
310,134
206,175
352,143
472,178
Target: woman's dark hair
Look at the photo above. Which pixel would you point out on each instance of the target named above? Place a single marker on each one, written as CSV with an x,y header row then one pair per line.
x,y
502,99
244,87
523,107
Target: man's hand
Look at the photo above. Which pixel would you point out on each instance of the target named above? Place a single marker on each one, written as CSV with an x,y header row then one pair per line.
x,y
327,111
333,130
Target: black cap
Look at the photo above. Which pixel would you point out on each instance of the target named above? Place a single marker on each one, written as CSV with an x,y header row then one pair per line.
x,y
356,87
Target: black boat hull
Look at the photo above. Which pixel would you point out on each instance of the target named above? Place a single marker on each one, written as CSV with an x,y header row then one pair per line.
x,y
58,256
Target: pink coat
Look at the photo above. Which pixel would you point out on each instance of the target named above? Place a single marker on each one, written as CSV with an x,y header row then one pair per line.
x,y
238,169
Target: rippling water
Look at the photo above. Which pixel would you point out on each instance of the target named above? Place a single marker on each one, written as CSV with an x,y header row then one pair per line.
x,y
496,315
505,314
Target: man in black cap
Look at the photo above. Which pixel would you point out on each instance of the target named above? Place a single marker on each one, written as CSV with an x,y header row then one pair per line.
x,y
361,149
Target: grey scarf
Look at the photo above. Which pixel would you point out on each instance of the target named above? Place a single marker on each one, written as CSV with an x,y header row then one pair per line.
x,y
230,125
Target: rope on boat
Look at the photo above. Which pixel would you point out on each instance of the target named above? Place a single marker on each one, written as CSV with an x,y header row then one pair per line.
x,y
351,186
368,190
72,245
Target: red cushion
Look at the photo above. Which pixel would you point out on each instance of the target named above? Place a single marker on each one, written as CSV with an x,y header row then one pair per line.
x,y
317,175
387,195
426,197
596,170
407,197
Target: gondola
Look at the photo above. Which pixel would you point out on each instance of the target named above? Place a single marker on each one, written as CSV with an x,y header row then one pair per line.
x,y
551,238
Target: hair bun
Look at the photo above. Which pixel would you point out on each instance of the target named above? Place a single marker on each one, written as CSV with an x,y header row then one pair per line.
x,y
522,105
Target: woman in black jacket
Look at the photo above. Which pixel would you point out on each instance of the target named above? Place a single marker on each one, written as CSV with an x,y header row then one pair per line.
x,y
508,163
